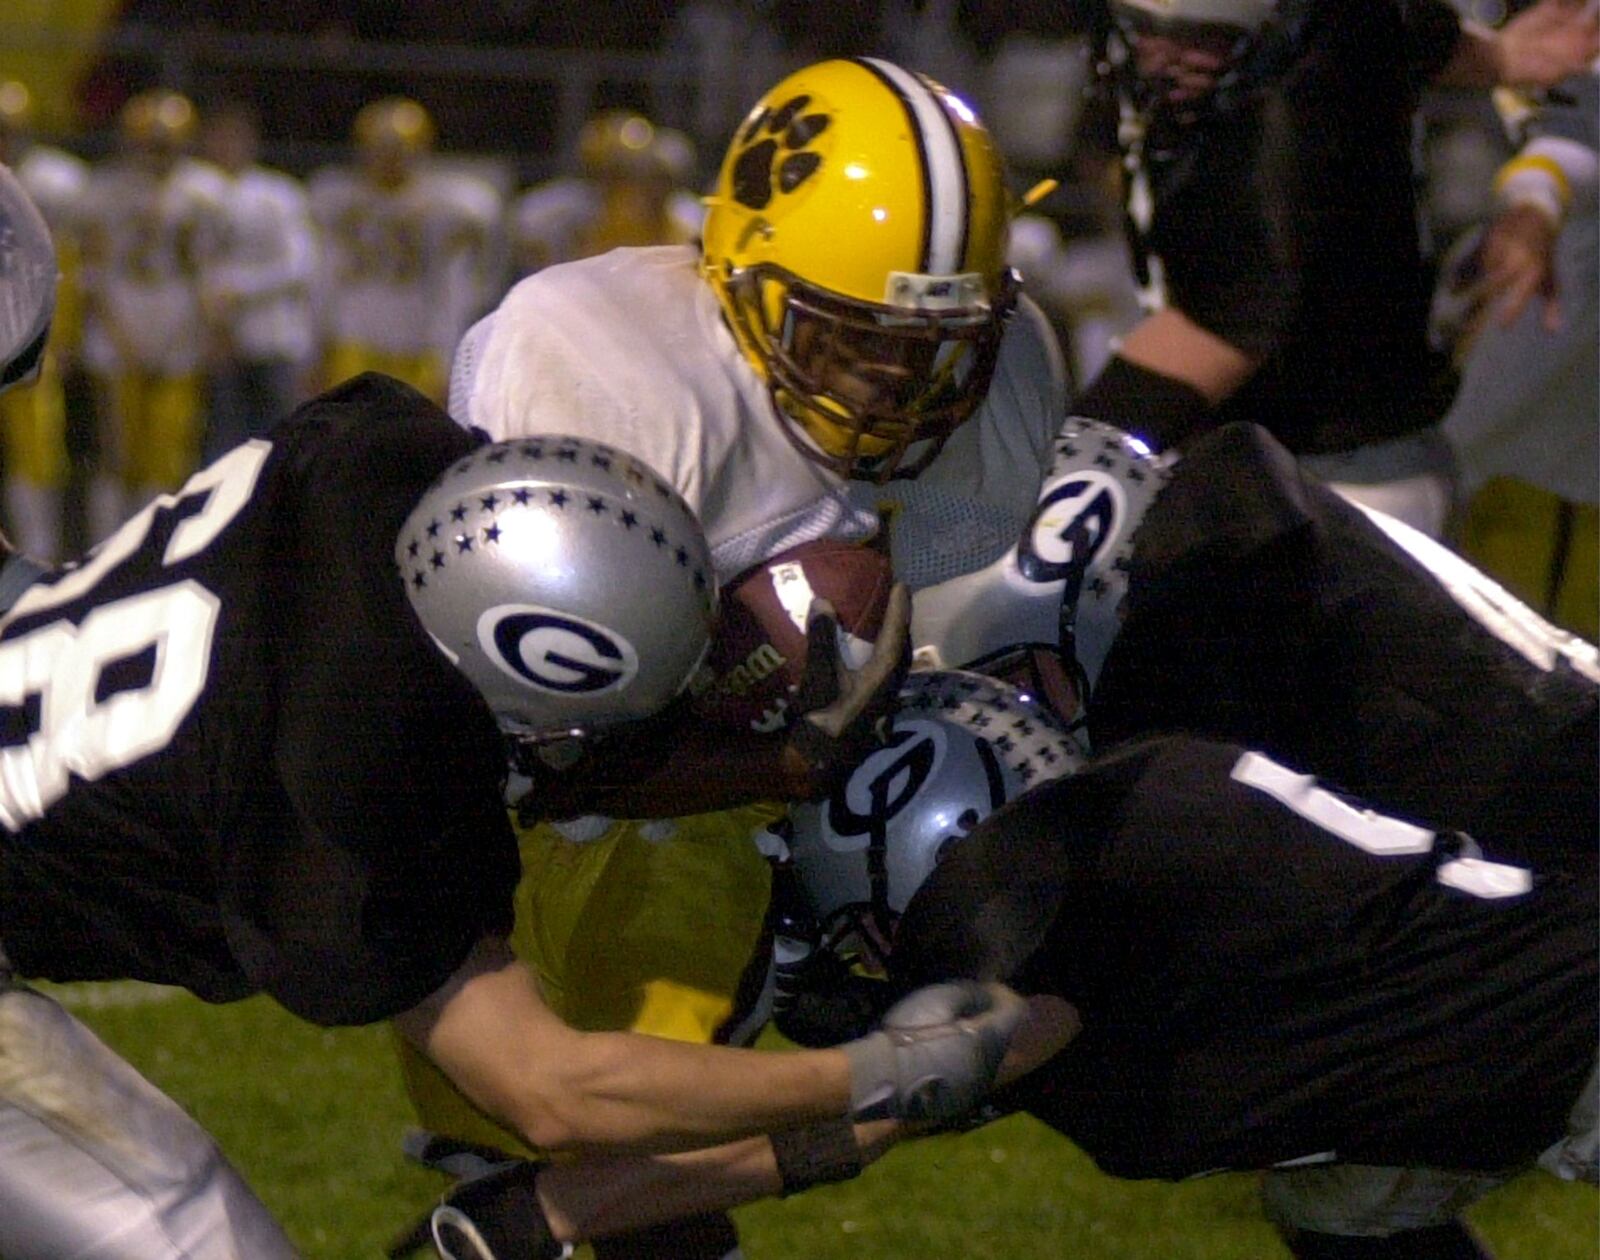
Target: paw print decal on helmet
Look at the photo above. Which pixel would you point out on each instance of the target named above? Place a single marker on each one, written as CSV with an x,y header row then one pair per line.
x,y
775,152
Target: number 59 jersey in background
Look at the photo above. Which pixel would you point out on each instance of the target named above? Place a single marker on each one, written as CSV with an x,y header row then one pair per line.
x,y
229,757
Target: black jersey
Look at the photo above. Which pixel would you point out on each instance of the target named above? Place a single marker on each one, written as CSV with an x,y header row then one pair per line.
x,y
1284,220
1264,609
232,759
1267,972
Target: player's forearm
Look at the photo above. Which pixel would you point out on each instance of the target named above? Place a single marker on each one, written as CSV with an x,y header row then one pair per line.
x,y
625,1091
490,1031
598,1198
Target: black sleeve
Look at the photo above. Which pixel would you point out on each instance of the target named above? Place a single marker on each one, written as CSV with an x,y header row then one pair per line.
x,y
402,855
1432,31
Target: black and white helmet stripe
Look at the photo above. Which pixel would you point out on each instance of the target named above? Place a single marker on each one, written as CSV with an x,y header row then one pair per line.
x,y
944,167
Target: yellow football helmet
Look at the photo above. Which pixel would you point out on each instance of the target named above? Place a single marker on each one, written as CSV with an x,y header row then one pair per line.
x,y
391,134
158,121
856,240
16,107
617,144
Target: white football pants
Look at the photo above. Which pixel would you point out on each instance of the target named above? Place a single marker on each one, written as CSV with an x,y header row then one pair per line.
x,y
96,1163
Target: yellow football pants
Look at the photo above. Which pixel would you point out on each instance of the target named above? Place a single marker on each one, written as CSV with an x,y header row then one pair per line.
x,y
626,932
33,429
153,429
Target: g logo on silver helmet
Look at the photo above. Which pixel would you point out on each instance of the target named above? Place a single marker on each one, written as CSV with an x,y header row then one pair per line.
x,y
1073,522
884,784
558,653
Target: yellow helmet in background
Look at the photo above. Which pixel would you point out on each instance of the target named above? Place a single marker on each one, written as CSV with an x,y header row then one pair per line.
x,y
856,240
16,107
396,122
618,144
158,120
391,134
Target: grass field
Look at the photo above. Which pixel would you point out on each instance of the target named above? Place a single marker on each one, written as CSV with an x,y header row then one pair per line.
x,y
313,1119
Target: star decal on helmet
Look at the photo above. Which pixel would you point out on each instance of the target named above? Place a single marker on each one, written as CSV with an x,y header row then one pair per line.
x,y
774,153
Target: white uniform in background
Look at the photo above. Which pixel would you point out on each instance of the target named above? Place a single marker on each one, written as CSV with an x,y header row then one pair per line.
x,y
149,242
405,270
259,293
630,348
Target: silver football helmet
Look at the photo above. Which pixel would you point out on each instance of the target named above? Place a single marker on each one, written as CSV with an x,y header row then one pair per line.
x,y
961,746
567,580
27,283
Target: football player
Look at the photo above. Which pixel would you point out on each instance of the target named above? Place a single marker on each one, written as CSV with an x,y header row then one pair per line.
x,y
630,190
1262,974
1271,212
849,319
152,227
1228,592
255,742
410,251
33,421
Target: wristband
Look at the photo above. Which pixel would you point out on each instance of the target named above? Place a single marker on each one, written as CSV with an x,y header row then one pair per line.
x,y
1160,409
816,1154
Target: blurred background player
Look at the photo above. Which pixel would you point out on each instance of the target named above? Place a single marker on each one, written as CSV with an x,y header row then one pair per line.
x,y
408,248
1526,420
258,294
632,188
33,420
153,226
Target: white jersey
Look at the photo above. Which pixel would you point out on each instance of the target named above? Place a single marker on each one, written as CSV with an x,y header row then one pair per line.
x,y
266,268
56,180
630,348
148,242
561,221
405,270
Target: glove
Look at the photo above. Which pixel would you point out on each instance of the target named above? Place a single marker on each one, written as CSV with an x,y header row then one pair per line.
x,y
844,713
492,1213
936,1054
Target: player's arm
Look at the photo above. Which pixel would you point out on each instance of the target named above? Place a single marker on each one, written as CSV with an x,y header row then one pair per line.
x,y
1538,48
491,1032
530,1209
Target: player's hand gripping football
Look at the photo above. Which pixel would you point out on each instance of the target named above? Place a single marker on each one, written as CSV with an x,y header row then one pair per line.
x,y
844,713
936,1054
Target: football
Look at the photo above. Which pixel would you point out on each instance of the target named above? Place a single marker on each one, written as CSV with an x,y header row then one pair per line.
x,y
758,654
